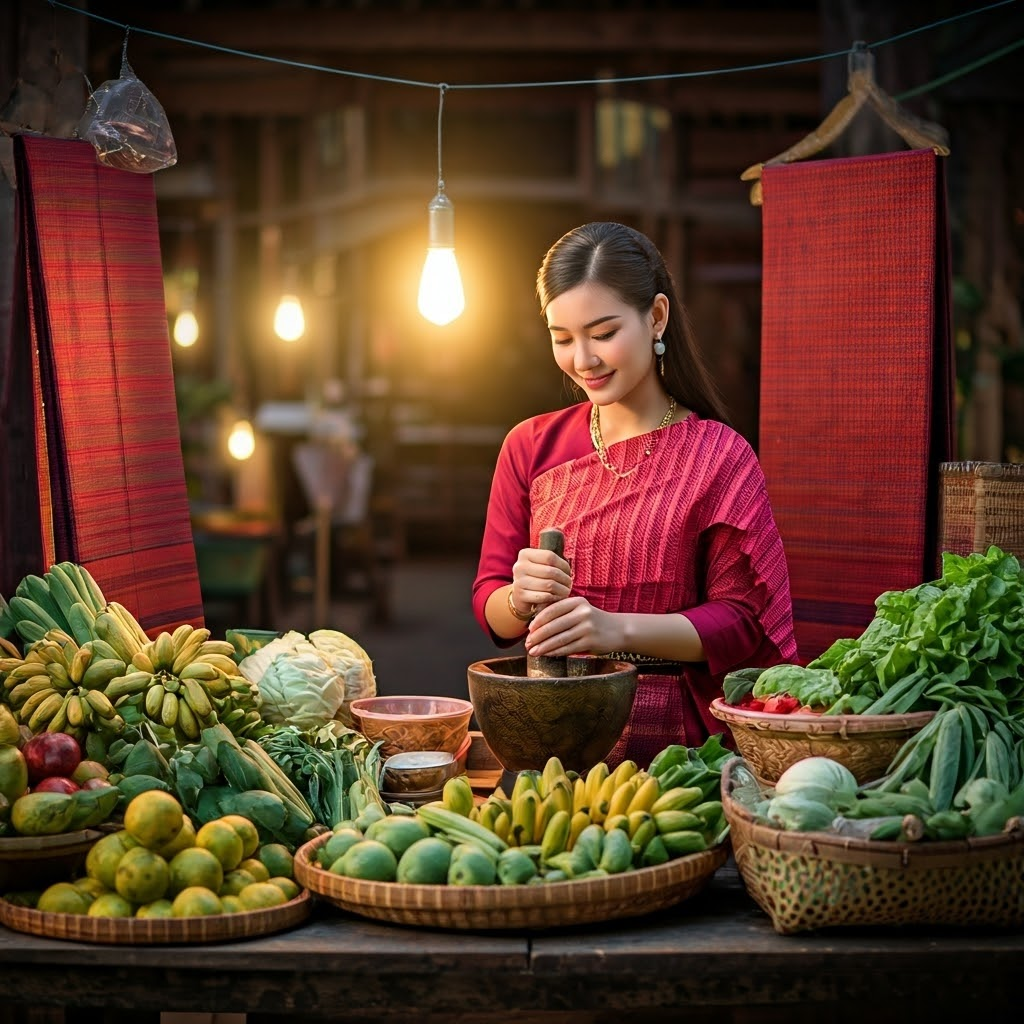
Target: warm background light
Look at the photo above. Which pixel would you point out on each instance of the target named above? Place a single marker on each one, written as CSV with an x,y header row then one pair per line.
x,y
186,328
289,320
241,440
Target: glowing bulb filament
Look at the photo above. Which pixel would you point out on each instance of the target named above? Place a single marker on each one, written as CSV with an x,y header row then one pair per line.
x,y
441,298
241,440
289,320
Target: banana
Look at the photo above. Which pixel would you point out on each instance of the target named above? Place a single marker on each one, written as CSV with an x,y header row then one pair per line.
x,y
457,794
219,686
100,703
594,780
221,661
181,634
562,795
579,795
27,669
10,664
37,589
79,663
546,809
602,801
25,608
101,649
489,811
26,690
626,770
62,588
154,701
224,647
91,595
526,780
646,793
169,709
131,623
636,819
45,711
29,630
109,628
171,684
524,816
99,673
555,836
677,821
199,702
679,798
622,796
577,823
76,712
616,821
133,682
82,621
143,662
163,651
502,826
645,832
553,771
201,670
188,651
59,676
60,719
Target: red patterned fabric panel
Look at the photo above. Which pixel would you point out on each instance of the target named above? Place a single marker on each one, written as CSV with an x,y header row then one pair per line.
x,y
111,478
856,407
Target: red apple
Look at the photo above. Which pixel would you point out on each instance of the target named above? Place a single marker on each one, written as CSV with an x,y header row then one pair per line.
x,y
56,784
51,753
88,770
95,783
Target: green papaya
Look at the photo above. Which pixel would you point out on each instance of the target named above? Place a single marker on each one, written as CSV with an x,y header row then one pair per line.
x,y
42,814
93,806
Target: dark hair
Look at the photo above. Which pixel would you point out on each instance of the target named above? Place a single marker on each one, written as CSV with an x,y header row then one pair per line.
x,y
627,262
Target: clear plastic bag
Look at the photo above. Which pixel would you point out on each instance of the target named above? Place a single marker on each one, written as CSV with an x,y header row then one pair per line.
x,y
127,126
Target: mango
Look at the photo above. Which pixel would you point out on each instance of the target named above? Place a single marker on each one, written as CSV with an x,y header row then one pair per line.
x,y
397,832
13,772
42,814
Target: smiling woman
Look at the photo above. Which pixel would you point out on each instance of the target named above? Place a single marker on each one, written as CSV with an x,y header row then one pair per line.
x,y
672,560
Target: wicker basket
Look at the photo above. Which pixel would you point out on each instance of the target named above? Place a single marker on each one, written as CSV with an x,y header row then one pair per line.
x,y
866,744
494,907
980,504
141,931
807,880
33,862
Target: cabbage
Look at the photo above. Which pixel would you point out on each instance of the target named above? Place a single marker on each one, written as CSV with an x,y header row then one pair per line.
x,y
820,779
795,813
309,681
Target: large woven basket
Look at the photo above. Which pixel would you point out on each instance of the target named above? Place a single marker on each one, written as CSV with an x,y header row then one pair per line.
x,y
980,504
770,743
808,880
510,907
135,931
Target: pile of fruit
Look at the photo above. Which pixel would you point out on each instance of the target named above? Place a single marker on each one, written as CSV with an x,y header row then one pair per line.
x,y
160,865
555,826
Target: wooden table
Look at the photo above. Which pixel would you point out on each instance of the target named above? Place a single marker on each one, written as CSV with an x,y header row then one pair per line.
x,y
712,958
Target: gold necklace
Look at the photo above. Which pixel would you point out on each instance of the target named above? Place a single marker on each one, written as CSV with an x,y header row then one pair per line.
x,y
598,441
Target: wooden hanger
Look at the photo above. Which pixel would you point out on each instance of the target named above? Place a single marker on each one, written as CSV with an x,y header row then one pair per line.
x,y
862,89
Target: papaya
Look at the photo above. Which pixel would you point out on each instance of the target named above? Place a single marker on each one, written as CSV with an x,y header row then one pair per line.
x,y
397,832
93,806
42,814
426,862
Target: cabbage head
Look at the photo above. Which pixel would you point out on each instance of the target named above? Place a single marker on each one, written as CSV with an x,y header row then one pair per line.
x,y
309,681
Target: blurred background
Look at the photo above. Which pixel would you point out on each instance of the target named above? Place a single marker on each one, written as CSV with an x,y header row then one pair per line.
x,y
338,461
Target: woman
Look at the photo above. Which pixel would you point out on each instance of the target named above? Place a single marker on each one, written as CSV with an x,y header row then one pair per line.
x,y
672,557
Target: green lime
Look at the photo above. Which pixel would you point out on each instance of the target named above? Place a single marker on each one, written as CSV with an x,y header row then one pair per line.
x,y
425,862
371,860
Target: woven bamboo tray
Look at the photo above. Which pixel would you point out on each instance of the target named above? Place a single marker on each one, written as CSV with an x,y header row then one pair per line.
x,y
28,862
808,880
866,744
493,907
132,931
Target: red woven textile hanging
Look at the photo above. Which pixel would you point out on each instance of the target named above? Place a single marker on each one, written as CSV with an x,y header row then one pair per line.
x,y
856,409
109,466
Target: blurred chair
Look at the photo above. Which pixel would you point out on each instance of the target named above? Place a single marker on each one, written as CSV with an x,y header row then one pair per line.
x,y
343,526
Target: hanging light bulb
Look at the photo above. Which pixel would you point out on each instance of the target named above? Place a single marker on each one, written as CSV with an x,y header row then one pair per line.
x,y
186,328
289,320
441,298
241,440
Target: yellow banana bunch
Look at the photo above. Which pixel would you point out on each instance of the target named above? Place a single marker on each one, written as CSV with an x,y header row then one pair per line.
x,y
53,687
180,680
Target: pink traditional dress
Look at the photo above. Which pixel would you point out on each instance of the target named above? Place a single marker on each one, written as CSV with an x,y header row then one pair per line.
x,y
689,530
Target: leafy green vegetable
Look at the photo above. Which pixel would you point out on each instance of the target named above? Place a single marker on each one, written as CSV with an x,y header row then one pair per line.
x,y
817,687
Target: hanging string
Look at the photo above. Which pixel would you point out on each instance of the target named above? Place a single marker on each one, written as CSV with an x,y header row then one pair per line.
x,y
440,111
548,84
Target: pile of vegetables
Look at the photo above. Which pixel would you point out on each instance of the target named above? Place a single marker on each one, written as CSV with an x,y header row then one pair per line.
x,y
956,640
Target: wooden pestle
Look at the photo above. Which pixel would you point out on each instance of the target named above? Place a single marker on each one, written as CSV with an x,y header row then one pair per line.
x,y
544,666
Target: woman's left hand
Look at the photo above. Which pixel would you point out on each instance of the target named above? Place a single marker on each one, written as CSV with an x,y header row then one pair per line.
x,y
572,626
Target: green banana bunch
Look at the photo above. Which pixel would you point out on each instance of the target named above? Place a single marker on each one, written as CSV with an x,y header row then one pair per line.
x,y
58,687
65,598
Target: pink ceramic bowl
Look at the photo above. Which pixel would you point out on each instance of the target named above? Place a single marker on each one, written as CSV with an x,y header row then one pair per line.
x,y
413,723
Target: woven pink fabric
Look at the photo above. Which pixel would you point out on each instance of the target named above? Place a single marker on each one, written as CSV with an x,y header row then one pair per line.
x,y
110,472
856,408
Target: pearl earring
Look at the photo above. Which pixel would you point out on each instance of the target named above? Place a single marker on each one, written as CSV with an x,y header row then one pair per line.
x,y
659,347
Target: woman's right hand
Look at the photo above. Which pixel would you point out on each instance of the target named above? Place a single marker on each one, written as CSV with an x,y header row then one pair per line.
x,y
539,578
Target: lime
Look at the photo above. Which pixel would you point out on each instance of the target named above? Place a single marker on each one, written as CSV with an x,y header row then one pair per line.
x,y
111,904
64,898
153,818
196,901
142,875
337,846
277,858
471,867
246,832
288,886
235,881
195,866
260,895
222,841
398,832
158,908
254,867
